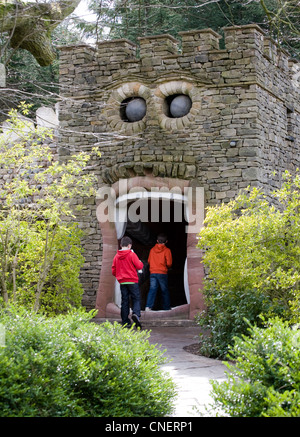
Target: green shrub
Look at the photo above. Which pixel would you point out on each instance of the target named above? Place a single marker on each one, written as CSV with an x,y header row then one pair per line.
x,y
251,249
265,379
227,316
61,288
68,366
40,253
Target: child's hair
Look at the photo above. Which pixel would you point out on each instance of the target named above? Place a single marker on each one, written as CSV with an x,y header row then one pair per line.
x,y
162,238
126,241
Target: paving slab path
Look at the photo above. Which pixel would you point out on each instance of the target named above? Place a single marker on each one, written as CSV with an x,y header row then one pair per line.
x,y
190,372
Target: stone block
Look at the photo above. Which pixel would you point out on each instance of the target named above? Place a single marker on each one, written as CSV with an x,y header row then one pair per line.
x,y
251,173
248,151
231,173
212,174
228,132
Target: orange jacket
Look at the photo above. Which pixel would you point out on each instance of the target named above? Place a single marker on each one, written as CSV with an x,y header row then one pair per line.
x,y
160,259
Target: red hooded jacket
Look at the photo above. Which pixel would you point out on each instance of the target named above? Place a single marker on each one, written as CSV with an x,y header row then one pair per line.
x,y
125,266
160,259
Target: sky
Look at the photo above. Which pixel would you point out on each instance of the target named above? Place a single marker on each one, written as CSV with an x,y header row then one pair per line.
x,y
83,12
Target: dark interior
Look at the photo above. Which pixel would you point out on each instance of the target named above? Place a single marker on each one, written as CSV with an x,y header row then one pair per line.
x,y
143,235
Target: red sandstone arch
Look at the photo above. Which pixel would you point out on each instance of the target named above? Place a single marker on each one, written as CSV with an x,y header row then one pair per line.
x,y
105,294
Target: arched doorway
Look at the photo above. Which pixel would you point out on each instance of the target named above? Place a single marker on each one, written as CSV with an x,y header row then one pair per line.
x,y
142,214
157,214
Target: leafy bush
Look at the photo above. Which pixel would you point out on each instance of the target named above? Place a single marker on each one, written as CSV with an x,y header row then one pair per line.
x,y
40,253
60,288
68,366
265,379
227,316
251,248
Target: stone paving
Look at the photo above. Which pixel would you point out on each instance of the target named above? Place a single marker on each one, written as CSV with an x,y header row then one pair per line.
x,y
190,372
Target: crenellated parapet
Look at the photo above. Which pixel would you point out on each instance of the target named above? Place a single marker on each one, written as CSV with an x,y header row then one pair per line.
x,y
246,49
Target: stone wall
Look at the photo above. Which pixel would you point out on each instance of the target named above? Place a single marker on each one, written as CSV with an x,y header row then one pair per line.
x,y
243,124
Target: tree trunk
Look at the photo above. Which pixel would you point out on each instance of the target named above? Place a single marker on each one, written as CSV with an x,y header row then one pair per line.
x,y
30,25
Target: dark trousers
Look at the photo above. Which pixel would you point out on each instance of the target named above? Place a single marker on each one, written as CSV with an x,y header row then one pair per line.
x,y
130,291
158,280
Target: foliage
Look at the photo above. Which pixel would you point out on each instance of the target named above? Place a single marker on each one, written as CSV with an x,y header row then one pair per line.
x,y
226,317
26,79
40,253
134,18
29,25
252,252
67,366
61,288
282,19
265,379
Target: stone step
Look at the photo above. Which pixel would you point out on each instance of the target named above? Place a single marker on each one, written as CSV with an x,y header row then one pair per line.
x,y
154,323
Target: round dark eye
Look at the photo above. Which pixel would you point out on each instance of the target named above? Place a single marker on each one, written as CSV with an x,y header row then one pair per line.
x,y
133,109
180,105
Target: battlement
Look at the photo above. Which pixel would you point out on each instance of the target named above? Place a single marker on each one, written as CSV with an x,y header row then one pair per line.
x,y
236,38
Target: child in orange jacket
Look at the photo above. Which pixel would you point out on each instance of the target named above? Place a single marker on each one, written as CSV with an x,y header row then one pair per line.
x,y
160,260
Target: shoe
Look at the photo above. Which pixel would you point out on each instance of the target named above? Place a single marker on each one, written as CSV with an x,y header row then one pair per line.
x,y
136,320
126,325
148,309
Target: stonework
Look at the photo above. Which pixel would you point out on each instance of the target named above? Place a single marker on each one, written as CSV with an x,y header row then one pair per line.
x,y
242,126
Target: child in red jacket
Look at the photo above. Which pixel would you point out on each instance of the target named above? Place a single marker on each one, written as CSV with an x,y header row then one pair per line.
x,y
160,260
124,268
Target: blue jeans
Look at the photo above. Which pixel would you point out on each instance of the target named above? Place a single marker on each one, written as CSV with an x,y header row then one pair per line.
x,y
127,291
158,280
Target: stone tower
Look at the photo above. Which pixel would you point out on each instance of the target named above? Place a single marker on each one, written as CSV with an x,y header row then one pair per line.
x,y
174,120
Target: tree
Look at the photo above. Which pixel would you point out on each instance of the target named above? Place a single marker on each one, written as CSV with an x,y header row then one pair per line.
x,y
133,18
30,25
25,78
40,252
251,247
282,21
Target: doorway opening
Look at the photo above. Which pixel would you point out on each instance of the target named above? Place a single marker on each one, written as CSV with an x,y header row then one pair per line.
x,y
159,216
142,207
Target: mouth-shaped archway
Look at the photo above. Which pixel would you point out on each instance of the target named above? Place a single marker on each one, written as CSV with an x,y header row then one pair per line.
x,y
157,213
147,207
